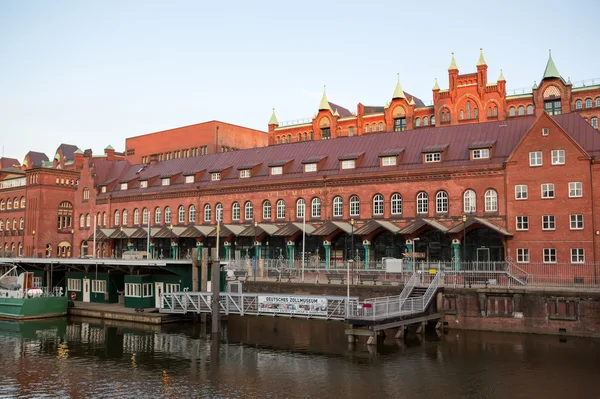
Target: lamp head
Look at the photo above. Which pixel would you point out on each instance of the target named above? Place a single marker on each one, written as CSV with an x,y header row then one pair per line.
x,y
352,222
171,226
33,232
464,218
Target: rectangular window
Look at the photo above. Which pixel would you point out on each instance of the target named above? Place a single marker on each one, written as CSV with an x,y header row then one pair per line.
x,y
481,154
576,222
103,189
244,173
351,133
388,161
522,223
575,190
99,286
535,158
548,222
399,124
348,164
549,255
169,288
553,107
277,170
133,290
189,179
123,186
147,290
547,190
73,284
522,255
215,176
166,181
558,157
545,131
37,282
325,133
310,167
144,184
433,157
577,255
521,192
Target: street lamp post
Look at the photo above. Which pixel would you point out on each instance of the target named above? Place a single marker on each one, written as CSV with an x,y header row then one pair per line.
x,y
172,251
352,247
464,219
33,244
255,252
414,250
121,228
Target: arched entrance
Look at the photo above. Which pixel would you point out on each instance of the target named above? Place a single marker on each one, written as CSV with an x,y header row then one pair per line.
x,y
484,245
436,245
387,245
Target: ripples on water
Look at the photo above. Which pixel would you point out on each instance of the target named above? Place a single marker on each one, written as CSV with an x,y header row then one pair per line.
x,y
284,358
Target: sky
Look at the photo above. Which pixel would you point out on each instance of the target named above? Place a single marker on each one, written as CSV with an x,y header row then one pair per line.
x,y
92,73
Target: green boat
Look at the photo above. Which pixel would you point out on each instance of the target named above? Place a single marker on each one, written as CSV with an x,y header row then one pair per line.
x,y
21,300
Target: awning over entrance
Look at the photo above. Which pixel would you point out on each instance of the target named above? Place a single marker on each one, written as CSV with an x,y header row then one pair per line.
x,y
102,234
266,228
461,226
167,232
197,231
229,229
292,228
330,227
373,225
140,233
416,225
124,233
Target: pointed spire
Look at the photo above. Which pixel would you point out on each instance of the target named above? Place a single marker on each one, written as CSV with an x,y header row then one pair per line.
x,y
336,113
387,105
398,92
324,106
412,101
569,81
436,86
535,86
481,60
551,71
452,64
501,77
273,120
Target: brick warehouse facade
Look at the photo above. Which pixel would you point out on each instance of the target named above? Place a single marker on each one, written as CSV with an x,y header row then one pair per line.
x,y
519,186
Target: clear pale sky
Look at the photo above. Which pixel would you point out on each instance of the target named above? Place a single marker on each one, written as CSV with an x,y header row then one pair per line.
x,y
92,73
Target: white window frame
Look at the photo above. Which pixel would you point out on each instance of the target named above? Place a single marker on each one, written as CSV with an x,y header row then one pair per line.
x,y
338,207
267,210
133,290
521,192
354,204
300,208
103,189
244,173
548,222
558,157
310,167
181,214
276,170
549,255
143,183
349,164
123,186
147,289
422,203
280,209
315,205
216,176
523,222
491,200
396,204
189,179
235,211
577,255
170,288
522,255
192,214
74,284
433,157
547,191
207,213
166,181
482,153
219,212
378,205
536,159
167,214
575,220
575,189
248,211
99,286
470,201
389,161
37,281
441,202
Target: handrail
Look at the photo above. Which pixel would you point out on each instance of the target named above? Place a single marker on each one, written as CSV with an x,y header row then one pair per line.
x,y
409,286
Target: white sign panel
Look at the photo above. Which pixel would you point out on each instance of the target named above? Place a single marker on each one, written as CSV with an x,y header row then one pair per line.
x,y
292,304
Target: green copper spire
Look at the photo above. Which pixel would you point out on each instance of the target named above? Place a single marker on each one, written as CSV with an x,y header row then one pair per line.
x,y
535,86
109,147
481,60
273,120
452,64
78,151
436,86
398,92
551,70
324,106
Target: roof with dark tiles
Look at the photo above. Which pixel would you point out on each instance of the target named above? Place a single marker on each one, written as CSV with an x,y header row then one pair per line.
x,y
9,162
36,159
67,150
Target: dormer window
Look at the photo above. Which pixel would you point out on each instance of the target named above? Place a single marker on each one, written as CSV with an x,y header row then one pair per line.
x,y
483,153
103,189
277,170
310,167
166,181
244,173
349,164
389,161
433,157
215,176
144,184
123,186
189,179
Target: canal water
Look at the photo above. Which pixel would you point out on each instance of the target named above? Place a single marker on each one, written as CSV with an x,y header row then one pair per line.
x,y
285,358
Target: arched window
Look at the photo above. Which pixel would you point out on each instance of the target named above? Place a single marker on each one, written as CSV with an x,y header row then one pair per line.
x,y
277,140
495,110
136,216
86,194
396,203
374,127
20,250
491,201
21,224
192,214
2,205
299,136
1,226
462,114
125,217
22,202
300,208
441,202
207,213
82,220
167,215
235,211
595,122
305,136
157,215
378,205
432,120
597,102
578,104
425,121
588,103
281,209
338,207
418,122
468,109
354,206
219,212
381,128
88,220
145,216
422,203
14,224
367,128
489,111
511,111
266,210
16,203
475,113
521,110
65,215
181,214
9,204
316,208
469,201
530,109
104,219
117,218
248,211
7,224
289,138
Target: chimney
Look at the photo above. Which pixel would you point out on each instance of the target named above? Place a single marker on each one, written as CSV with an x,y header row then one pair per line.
x,y
110,153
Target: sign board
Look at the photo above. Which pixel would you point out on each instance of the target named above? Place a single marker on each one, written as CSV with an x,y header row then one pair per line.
x,y
432,271
393,265
416,255
292,304
73,295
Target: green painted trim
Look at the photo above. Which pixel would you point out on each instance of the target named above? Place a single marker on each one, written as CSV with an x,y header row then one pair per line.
x,y
584,88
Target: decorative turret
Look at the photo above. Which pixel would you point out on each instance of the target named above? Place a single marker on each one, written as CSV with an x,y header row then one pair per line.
x,y
481,73
453,66
501,77
436,87
452,78
398,92
551,71
501,84
324,105
78,158
535,86
109,151
273,123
